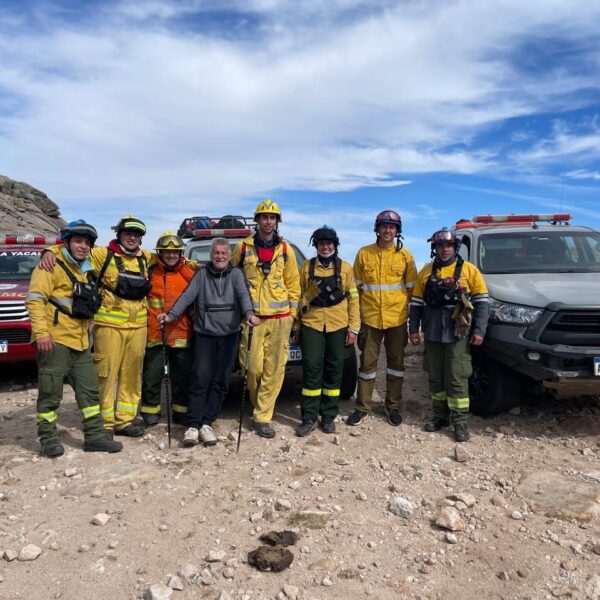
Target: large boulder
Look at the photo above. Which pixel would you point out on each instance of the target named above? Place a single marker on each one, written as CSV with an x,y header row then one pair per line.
x,y
27,210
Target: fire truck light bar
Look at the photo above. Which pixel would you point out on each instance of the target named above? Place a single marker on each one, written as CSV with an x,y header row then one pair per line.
x,y
222,232
36,240
520,218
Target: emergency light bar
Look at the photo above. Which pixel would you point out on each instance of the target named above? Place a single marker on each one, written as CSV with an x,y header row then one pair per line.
x,y
36,240
488,219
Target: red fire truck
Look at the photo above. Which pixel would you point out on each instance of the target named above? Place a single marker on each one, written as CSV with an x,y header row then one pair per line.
x,y
19,254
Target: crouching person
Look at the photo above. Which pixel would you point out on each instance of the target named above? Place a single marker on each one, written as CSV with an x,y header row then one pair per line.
x,y
221,298
169,278
330,322
61,304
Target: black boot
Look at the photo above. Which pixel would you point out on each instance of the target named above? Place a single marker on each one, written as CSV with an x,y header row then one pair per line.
x,y
328,424
131,431
440,418
102,444
306,427
150,420
461,431
52,449
263,429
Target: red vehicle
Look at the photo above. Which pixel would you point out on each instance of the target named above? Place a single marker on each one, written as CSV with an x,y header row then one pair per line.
x,y
18,257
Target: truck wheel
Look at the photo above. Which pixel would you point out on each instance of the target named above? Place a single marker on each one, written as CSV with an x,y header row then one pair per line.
x,y
493,388
350,374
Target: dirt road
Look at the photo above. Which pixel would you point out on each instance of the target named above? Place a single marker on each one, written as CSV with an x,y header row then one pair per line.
x,y
520,505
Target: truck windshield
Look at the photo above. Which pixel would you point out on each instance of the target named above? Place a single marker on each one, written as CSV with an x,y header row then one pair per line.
x,y
201,253
537,251
17,264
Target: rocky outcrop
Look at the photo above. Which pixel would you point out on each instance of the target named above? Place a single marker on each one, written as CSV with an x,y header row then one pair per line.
x,y
24,209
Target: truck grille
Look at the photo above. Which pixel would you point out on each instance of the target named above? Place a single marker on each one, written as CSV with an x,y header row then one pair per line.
x,y
13,311
15,336
573,328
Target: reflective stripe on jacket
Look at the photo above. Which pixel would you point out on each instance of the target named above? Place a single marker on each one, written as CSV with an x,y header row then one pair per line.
x,y
277,293
385,279
167,286
344,315
57,286
115,311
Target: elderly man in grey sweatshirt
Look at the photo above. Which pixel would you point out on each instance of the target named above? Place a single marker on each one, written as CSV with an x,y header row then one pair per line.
x,y
221,296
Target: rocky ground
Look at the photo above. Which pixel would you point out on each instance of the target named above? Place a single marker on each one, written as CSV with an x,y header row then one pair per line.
x,y
380,512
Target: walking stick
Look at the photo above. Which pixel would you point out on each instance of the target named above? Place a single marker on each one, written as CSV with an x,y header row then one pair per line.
x,y
163,329
244,386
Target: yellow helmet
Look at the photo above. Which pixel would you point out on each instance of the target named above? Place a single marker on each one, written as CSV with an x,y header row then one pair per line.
x,y
169,241
268,207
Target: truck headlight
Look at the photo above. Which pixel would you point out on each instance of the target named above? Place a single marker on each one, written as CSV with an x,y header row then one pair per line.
x,y
505,312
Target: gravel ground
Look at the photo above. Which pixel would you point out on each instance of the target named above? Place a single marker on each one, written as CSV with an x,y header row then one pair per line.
x,y
380,511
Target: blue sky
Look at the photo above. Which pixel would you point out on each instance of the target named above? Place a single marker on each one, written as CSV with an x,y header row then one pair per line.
x,y
337,110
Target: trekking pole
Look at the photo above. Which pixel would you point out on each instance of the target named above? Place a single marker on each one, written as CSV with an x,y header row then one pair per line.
x,y
163,330
244,386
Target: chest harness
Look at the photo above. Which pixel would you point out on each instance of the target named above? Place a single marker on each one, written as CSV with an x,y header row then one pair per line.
x,y
443,291
331,286
131,285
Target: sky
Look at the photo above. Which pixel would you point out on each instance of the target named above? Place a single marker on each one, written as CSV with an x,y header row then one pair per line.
x,y
336,109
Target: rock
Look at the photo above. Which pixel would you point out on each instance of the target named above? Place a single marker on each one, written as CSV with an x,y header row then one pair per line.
x,y
467,499
283,504
327,581
175,582
29,552
591,588
503,576
290,592
101,519
229,573
294,485
449,518
279,538
70,472
225,596
215,556
561,591
568,565
254,517
523,573
500,501
516,515
401,507
324,564
451,538
158,591
267,558
232,435
9,555
548,493
593,475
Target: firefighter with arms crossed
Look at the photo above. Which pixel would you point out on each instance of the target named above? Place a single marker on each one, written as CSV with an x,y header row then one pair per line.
x,y
450,302
271,270
329,313
385,274
61,304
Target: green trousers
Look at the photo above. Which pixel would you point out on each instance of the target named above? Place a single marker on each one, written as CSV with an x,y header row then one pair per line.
x,y
449,368
77,366
180,364
323,355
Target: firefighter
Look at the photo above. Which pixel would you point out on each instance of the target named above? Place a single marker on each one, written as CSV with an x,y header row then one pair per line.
x,y
271,270
329,314
385,274
169,278
450,302
121,269
60,305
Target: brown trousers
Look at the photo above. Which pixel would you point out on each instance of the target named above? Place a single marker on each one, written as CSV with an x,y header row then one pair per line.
x,y
370,339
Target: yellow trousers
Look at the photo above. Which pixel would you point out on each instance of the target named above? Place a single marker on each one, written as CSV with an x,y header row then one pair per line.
x,y
119,357
266,369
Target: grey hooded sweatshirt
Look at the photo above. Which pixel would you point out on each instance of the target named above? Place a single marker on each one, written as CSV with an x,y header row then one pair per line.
x,y
221,298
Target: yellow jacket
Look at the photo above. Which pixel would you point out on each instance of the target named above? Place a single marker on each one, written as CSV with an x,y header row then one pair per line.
x,y
470,278
45,318
115,311
279,292
385,279
332,318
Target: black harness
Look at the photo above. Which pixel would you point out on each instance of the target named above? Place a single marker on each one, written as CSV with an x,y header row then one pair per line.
x,y
86,299
131,285
443,292
330,287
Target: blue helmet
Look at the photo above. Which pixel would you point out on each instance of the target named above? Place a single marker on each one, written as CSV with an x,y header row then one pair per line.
x,y
79,227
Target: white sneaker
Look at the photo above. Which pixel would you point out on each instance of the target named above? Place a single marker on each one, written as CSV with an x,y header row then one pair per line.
x,y
207,435
190,437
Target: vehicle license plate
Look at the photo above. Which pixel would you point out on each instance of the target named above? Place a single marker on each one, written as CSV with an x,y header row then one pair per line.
x,y
295,353
597,366
4,347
